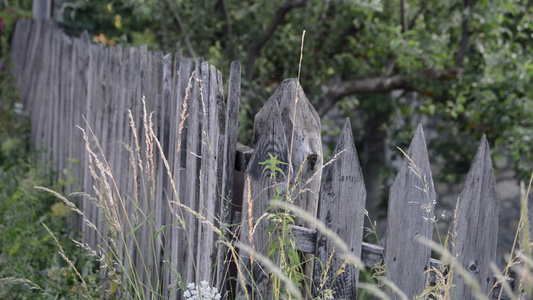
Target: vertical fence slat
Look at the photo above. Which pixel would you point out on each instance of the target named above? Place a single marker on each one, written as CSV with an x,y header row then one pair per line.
x,y
190,176
162,176
206,256
34,62
260,188
101,128
87,179
341,209
51,128
130,183
121,152
19,46
69,132
156,209
177,150
228,116
80,59
302,131
64,109
476,222
530,212
142,263
411,207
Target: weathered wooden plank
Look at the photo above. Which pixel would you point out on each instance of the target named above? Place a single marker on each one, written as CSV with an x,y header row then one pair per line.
x,y
302,131
80,58
52,121
208,198
530,211
42,9
65,109
342,209
122,154
476,228
261,187
70,130
113,131
38,40
130,180
162,177
411,208
99,126
87,178
38,83
179,249
230,123
191,181
228,116
101,130
143,255
60,150
156,209
45,107
116,112
19,48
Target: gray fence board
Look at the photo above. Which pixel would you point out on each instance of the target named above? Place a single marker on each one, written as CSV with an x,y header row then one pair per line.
x,y
228,125
411,208
477,224
260,188
342,197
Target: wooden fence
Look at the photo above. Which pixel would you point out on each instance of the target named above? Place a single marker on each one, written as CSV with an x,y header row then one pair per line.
x,y
64,80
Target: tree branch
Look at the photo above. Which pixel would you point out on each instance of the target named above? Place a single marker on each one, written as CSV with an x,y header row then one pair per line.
x,y
265,35
465,36
223,6
176,18
403,16
378,85
420,12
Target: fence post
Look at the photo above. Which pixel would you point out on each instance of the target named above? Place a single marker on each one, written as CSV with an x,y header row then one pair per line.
x,y
261,187
341,209
42,9
411,209
227,144
476,225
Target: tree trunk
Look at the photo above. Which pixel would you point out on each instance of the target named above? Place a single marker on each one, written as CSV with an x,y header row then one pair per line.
x,y
372,161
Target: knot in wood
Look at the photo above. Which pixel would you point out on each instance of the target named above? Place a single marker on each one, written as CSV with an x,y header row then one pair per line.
x,y
312,159
473,267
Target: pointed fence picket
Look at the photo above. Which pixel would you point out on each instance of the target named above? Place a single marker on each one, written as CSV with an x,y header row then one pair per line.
x,y
476,225
342,197
172,212
410,215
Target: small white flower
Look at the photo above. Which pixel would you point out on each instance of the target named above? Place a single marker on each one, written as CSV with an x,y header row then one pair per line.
x,y
201,292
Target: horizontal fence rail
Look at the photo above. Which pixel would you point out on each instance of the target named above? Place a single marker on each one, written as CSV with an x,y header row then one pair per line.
x,y
153,138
